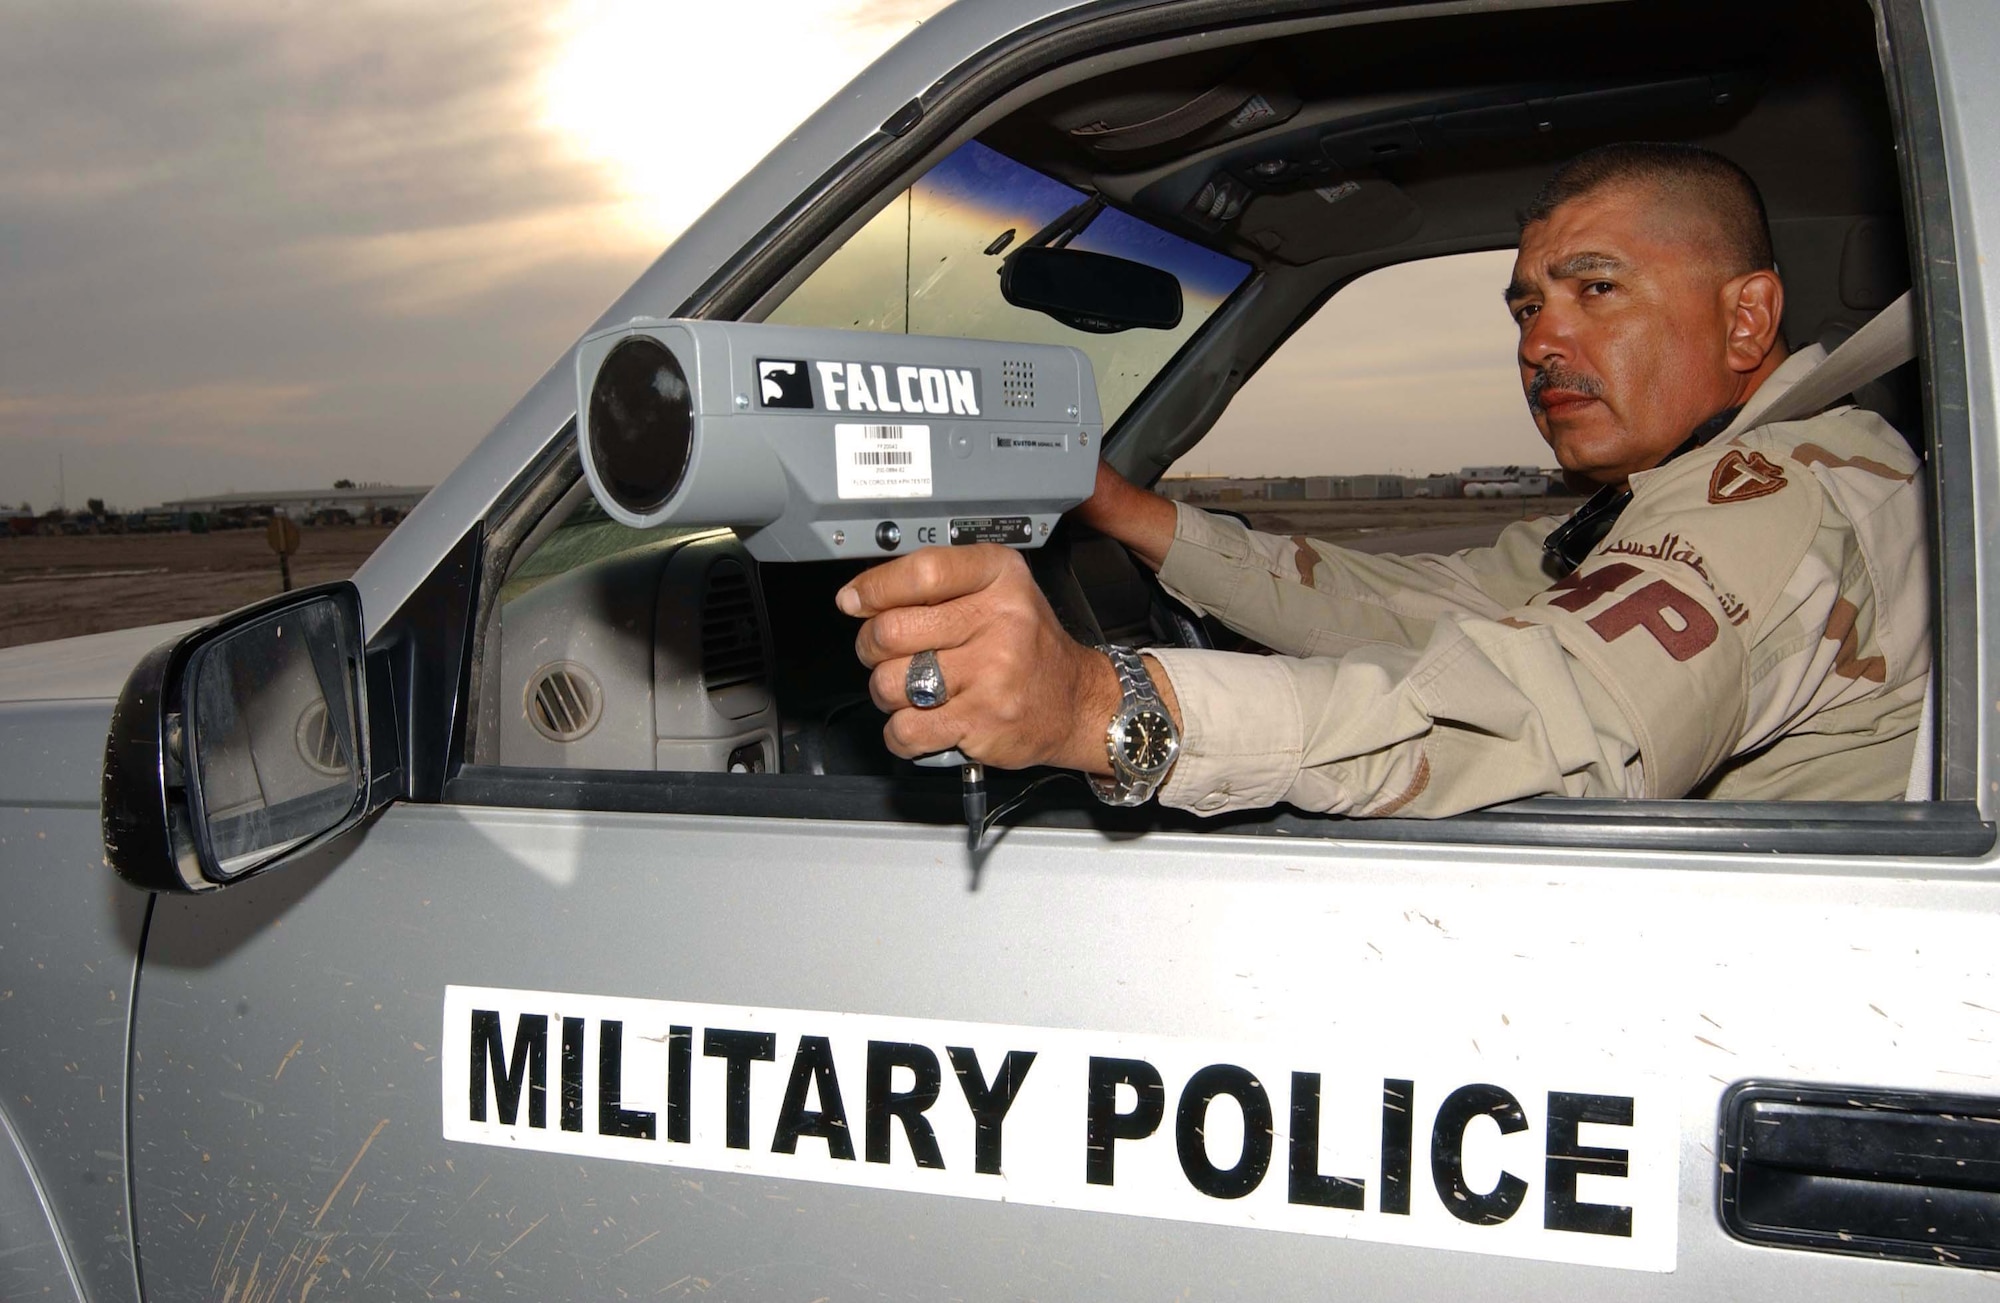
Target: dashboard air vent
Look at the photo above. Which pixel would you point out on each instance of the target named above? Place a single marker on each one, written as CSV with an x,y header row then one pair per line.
x,y
563,701
732,639
319,741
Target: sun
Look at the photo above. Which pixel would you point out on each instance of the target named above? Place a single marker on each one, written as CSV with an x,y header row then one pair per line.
x,y
676,100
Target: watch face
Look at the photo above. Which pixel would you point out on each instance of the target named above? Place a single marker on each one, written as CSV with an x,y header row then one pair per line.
x,y
1148,741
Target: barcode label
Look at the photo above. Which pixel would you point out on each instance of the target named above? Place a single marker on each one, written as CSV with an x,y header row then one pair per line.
x,y
882,461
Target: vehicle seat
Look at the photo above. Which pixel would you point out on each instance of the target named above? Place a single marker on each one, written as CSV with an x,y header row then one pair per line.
x,y
1874,271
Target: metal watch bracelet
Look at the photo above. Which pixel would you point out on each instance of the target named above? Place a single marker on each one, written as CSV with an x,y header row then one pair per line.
x,y
1139,706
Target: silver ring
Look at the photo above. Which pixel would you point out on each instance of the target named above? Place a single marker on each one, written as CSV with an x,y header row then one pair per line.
x,y
924,683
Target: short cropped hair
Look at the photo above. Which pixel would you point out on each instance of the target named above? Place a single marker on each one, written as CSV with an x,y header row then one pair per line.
x,y
1687,174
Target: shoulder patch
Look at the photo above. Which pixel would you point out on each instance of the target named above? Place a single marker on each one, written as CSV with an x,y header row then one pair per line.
x,y
1741,476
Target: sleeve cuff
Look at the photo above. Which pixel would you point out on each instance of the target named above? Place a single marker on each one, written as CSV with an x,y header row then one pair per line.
x,y
1205,561
1241,730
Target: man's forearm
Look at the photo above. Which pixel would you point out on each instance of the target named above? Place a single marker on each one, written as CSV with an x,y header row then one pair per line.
x,y
1143,521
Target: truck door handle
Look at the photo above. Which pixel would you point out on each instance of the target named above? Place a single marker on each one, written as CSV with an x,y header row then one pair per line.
x,y
1882,1173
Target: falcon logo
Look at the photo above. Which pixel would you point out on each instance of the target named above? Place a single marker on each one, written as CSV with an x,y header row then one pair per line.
x,y
1739,478
783,383
938,391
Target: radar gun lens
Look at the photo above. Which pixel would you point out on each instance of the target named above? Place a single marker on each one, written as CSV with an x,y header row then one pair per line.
x,y
641,424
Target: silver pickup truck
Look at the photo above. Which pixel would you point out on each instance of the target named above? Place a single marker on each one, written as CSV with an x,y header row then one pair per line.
x,y
540,916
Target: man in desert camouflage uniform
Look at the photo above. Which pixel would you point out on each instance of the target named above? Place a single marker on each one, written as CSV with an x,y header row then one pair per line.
x,y
1753,624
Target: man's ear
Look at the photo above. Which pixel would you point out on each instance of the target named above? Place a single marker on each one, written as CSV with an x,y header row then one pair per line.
x,y
1756,306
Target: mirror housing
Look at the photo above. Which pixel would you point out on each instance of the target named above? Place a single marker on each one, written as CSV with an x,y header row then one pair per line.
x,y
1095,292
244,743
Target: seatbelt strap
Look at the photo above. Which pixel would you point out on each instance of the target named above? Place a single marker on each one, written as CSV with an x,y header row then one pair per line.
x,y
1885,343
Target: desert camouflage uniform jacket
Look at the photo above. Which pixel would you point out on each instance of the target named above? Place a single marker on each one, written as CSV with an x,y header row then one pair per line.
x,y
1756,626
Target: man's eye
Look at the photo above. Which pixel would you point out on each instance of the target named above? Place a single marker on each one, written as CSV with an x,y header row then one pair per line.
x,y
1526,311
1599,287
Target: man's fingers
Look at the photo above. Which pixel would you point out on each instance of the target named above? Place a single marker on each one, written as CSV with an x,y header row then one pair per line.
x,y
888,684
908,630
1006,662
927,577
911,732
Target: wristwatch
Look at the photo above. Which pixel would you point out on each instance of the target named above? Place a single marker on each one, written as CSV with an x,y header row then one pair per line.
x,y
1140,740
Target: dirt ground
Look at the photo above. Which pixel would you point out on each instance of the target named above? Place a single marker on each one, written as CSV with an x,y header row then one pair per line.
x,y
64,587
1409,525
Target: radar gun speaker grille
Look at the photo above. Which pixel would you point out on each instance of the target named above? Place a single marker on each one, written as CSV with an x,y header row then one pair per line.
x,y
1017,384
641,424
563,701
732,636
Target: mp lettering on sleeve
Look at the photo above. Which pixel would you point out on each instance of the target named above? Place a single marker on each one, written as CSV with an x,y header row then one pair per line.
x,y
1553,1164
1677,620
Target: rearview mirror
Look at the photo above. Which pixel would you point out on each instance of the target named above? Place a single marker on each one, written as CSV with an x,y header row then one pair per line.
x,y
240,743
1091,291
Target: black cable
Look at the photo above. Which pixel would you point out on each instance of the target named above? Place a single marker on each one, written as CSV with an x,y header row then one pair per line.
x,y
976,834
972,787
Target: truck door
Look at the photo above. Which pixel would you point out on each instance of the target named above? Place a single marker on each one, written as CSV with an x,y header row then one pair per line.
x,y
638,1027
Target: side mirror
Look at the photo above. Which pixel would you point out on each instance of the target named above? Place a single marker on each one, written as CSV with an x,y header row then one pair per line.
x,y
241,743
1091,291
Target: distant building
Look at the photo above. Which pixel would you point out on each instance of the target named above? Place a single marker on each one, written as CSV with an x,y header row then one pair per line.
x,y
1216,488
1190,488
363,502
1374,486
1472,482
1504,482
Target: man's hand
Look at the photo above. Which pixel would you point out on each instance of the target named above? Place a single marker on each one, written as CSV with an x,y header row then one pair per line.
x,y
1021,691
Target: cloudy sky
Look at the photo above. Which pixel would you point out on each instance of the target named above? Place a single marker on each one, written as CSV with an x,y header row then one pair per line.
x,y
260,243
269,243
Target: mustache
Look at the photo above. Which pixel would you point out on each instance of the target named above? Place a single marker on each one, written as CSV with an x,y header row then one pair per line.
x,y
1561,377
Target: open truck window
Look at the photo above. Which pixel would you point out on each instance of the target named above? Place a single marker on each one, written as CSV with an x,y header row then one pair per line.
x,y
1371,165
1391,420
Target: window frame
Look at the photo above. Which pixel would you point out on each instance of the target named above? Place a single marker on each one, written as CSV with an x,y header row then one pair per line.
x,y
1952,825
1844,829
1910,86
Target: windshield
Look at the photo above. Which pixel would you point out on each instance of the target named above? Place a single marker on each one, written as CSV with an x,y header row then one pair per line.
x,y
929,264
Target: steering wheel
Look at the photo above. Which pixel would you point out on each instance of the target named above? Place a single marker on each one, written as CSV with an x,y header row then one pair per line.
x,y
1102,594
1173,618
